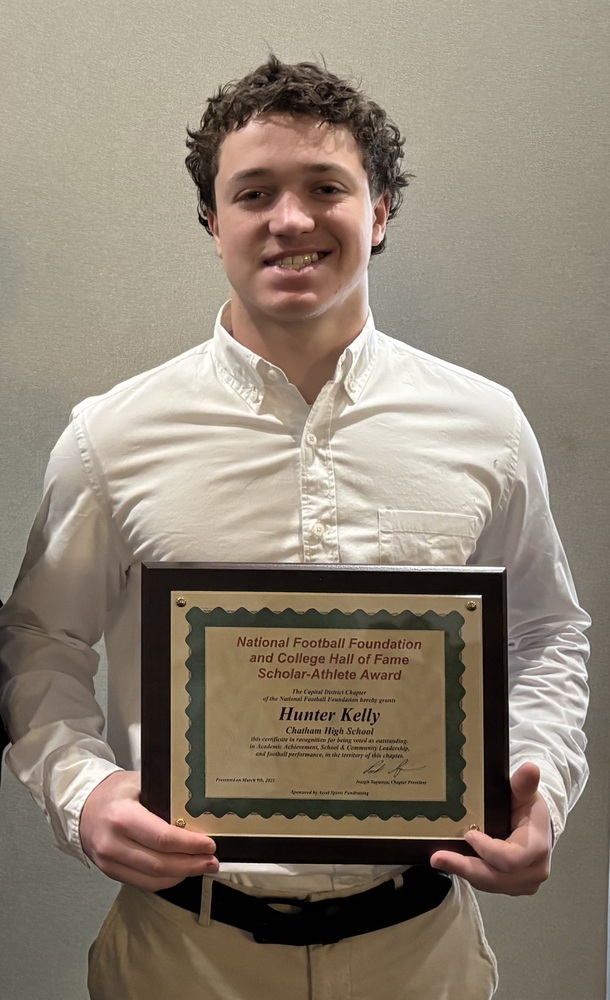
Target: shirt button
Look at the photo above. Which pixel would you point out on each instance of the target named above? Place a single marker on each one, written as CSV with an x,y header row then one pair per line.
x,y
311,439
318,529
272,375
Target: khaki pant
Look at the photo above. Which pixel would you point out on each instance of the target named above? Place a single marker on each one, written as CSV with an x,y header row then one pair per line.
x,y
149,949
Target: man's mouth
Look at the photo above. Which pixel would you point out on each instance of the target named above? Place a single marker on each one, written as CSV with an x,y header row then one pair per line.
x,y
296,262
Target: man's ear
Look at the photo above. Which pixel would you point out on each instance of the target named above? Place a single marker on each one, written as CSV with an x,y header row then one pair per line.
x,y
213,224
381,210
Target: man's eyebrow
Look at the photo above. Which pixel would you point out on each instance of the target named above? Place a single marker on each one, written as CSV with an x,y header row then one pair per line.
x,y
248,175
256,173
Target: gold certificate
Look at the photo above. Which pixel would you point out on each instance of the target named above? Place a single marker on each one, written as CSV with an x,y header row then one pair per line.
x,y
299,713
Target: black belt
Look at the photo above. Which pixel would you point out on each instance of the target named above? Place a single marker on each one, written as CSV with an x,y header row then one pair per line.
x,y
321,921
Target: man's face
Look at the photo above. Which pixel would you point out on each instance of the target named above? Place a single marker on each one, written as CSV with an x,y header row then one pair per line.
x,y
295,222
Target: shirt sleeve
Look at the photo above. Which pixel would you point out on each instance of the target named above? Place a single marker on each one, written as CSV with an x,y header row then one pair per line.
x,y
547,648
70,579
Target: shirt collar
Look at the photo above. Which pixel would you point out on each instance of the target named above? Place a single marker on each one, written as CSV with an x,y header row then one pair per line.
x,y
251,376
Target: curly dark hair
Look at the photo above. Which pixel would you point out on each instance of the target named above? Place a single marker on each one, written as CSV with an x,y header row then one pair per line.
x,y
300,89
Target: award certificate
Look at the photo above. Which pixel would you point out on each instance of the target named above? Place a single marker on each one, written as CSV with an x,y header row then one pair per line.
x,y
325,713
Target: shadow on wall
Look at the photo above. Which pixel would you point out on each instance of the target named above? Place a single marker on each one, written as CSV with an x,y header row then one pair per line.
x,y
4,740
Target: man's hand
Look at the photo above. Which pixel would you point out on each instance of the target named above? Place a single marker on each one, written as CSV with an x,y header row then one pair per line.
x,y
130,844
517,866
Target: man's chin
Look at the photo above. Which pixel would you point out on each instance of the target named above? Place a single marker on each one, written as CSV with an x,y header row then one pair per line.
x,y
292,309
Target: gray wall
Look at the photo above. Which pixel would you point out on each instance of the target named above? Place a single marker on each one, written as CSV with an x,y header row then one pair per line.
x,y
496,263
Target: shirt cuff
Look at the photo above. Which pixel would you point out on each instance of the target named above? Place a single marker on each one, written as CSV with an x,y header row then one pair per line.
x,y
65,812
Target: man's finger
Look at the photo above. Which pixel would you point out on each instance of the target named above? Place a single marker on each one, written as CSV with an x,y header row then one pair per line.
x,y
505,855
153,832
151,883
487,878
524,785
133,822
160,865
473,870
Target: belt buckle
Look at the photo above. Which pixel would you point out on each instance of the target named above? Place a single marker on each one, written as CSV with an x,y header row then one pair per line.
x,y
277,926
314,923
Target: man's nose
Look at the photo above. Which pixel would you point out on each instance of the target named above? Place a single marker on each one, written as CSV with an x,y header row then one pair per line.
x,y
290,216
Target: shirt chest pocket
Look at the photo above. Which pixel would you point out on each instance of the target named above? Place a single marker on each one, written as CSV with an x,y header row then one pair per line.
x,y
425,538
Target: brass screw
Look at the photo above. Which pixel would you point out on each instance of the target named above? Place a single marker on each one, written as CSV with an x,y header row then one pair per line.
x,y
471,605
181,823
474,826
181,602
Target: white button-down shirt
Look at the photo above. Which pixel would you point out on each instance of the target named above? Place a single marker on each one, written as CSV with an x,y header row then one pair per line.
x,y
215,457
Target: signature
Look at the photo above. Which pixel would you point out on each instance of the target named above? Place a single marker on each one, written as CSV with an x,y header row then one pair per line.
x,y
395,769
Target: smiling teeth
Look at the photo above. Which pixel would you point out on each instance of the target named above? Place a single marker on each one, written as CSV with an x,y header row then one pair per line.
x,y
296,263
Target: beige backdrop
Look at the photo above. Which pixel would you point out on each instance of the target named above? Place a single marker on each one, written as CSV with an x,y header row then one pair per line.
x,y
497,262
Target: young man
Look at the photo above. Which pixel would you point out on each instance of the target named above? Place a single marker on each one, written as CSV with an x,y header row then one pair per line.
x,y
299,433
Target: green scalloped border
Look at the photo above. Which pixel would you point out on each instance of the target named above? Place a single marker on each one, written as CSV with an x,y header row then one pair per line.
x,y
451,807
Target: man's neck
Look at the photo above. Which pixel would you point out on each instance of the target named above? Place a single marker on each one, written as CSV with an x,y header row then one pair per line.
x,y
306,351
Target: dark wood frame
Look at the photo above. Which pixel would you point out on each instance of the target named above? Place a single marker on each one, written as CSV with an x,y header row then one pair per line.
x,y
158,582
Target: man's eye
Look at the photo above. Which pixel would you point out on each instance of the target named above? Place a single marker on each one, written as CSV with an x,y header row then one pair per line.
x,y
329,189
251,196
